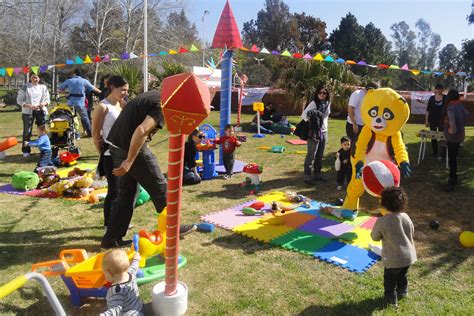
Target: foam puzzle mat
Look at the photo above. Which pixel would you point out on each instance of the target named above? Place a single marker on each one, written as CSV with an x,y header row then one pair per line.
x,y
305,230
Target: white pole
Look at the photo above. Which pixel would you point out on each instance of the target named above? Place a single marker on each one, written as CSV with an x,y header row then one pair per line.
x,y
203,38
145,45
258,122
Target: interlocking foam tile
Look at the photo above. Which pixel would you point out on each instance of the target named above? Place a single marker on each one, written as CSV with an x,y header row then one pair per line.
x,y
363,238
370,223
274,196
8,189
62,172
325,227
301,241
361,218
352,258
313,209
295,219
261,231
231,217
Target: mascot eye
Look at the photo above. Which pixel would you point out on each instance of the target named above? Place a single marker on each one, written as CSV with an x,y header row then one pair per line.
x,y
388,115
374,111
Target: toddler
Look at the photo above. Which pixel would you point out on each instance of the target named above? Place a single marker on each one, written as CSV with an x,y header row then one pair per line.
x,y
343,162
229,142
122,297
396,230
44,145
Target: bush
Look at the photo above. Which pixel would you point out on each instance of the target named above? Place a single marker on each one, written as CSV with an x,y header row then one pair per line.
x,y
10,97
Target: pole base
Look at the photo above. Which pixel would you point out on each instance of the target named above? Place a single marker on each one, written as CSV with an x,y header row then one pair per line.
x,y
258,136
174,305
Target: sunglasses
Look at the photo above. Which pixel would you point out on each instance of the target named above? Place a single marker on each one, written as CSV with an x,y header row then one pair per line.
x,y
322,93
201,136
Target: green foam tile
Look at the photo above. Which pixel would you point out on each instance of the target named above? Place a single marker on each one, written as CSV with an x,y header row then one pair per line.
x,y
301,241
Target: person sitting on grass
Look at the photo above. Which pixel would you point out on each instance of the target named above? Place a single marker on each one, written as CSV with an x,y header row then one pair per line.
x,y
44,145
123,297
396,230
229,142
190,174
264,125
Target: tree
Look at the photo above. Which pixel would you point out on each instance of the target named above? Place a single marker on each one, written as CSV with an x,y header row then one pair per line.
x,y
348,39
467,54
182,28
449,58
404,42
377,48
428,45
312,33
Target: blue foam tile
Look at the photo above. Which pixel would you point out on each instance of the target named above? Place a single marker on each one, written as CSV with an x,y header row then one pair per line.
x,y
313,209
346,256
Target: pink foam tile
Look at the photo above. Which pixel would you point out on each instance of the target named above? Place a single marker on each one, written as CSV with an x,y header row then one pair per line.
x,y
370,223
231,217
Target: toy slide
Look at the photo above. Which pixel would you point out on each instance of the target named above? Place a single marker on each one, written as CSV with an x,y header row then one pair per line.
x,y
8,143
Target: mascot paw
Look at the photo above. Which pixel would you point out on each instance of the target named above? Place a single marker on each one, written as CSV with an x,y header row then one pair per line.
x,y
405,169
358,169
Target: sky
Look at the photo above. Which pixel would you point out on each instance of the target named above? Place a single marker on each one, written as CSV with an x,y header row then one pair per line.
x,y
447,18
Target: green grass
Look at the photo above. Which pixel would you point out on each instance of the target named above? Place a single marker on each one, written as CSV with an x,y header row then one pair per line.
x,y
232,275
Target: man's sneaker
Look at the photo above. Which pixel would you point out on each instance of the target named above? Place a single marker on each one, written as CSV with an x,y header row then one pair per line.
x,y
108,244
387,302
339,187
124,243
187,229
26,155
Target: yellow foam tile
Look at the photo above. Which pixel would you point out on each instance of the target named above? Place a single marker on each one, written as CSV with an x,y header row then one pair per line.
x,y
363,238
261,230
274,196
62,172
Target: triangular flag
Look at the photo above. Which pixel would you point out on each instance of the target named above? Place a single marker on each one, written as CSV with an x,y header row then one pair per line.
x,y
307,56
340,60
329,59
194,48
244,49
125,55
87,60
416,72
461,73
115,59
133,56
60,65
183,50
298,55
35,69
350,62
362,63
286,53
163,53
449,73
383,66
426,72
405,67
318,57
254,49
106,58
79,60
275,52
2,72
69,62
150,55
97,59
43,68
438,73
17,70
51,66
394,67
26,69
172,52
9,72
264,51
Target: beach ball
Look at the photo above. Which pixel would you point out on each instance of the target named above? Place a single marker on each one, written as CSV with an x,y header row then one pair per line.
x,y
467,239
378,175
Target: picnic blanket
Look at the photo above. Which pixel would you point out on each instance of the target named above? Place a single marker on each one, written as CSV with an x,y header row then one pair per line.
x,y
305,230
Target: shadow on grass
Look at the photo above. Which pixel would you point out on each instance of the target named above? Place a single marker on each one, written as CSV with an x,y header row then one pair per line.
x,y
365,307
235,241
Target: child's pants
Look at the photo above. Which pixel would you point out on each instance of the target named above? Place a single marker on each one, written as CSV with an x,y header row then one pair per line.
x,y
344,174
45,159
395,282
229,159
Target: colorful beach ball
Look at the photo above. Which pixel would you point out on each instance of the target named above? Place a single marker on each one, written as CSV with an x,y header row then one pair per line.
x,y
378,175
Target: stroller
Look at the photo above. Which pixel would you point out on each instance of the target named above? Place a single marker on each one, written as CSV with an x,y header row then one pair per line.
x,y
63,128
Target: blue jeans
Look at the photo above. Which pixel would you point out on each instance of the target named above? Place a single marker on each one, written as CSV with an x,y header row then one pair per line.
x,y
263,129
45,159
189,177
86,123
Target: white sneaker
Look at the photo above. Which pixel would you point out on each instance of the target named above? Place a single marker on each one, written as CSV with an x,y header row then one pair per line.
x,y
339,187
26,155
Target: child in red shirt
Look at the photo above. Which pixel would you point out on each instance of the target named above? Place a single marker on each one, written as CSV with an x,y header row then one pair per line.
x,y
229,141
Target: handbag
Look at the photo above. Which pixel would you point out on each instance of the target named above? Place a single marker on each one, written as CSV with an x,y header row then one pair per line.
x,y
302,130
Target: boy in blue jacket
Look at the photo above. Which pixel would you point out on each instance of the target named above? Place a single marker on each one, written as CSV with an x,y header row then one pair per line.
x,y
44,145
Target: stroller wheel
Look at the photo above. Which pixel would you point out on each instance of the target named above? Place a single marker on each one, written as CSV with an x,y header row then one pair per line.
x,y
75,150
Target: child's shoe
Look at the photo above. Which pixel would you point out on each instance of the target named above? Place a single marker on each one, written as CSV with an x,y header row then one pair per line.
x,y
339,187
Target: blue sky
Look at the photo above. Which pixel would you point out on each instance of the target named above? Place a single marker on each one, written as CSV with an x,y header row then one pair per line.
x,y
447,18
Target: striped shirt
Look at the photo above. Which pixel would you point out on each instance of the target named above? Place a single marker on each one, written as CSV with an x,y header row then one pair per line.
x,y
124,298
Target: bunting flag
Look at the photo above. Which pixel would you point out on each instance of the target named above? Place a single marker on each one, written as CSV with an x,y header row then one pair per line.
x,y
275,52
172,52
43,68
69,62
438,73
79,60
340,60
426,72
106,58
416,72
163,53
125,55
194,48
329,59
60,65
35,69
383,66
318,57
254,49
114,59
264,51
393,67
351,62
97,59
10,72
87,60
150,55
362,63
298,55
307,56
183,50
2,72
286,53
405,67
461,73
51,66
17,70
26,69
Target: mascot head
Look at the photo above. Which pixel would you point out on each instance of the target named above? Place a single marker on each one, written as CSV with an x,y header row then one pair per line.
x,y
384,111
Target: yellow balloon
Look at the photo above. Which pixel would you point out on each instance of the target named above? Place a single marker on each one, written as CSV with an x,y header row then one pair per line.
x,y
467,239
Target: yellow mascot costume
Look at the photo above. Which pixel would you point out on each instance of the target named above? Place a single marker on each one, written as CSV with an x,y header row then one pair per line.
x,y
384,112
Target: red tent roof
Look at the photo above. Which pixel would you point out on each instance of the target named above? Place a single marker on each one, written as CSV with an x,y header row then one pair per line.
x,y
227,33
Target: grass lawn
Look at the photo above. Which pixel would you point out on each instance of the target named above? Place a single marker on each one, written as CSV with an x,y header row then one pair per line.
x,y
232,275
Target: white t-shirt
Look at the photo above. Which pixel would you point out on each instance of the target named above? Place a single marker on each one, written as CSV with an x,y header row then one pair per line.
x,y
112,113
312,106
355,101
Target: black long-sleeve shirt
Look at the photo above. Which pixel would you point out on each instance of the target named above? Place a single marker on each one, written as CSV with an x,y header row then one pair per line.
x,y
190,151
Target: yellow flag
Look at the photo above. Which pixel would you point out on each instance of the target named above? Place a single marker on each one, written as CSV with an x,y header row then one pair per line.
x,y
172,52
9,72
416,72
318,57
87,60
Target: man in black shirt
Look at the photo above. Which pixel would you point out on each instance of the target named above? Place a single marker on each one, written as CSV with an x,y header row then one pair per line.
x,y
136,164
435,112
